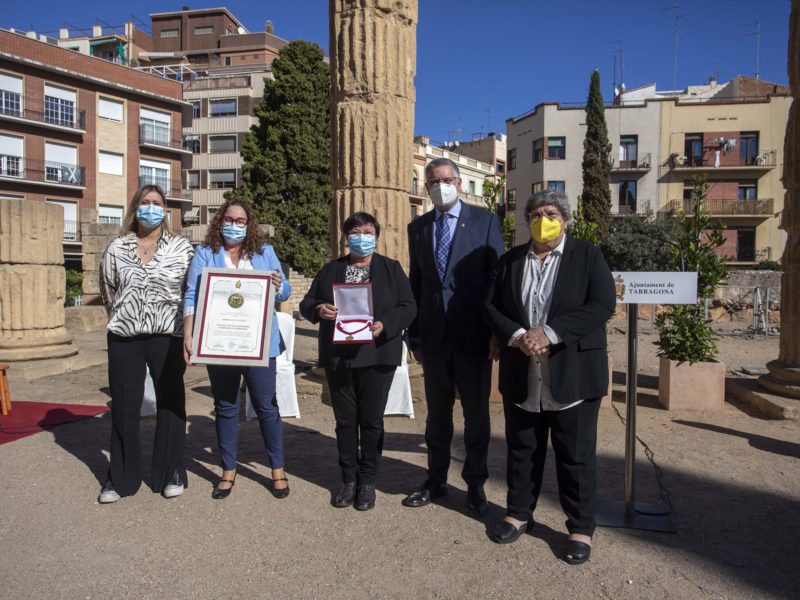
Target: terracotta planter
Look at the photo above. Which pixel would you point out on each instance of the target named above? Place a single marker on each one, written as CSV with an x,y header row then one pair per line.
x,y
684,386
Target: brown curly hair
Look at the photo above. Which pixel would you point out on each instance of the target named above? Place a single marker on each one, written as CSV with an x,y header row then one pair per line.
x,y
254,239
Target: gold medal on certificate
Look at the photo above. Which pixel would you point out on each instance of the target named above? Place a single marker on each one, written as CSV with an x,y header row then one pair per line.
x,y
236,300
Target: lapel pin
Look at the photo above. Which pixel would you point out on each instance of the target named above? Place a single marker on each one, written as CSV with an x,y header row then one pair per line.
x,y
463,225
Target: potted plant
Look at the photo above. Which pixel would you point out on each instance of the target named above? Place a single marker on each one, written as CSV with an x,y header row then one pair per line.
x,y
689,376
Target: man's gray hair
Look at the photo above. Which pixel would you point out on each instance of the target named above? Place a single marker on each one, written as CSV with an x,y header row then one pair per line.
x,y
549,198
440,162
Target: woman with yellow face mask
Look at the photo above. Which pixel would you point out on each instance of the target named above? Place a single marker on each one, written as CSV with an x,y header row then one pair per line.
x,y
547,305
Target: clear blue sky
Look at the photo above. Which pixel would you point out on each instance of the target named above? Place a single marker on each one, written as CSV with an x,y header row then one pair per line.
x,y
508,55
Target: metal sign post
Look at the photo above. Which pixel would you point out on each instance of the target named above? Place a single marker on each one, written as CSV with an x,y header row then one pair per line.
x,y
647,288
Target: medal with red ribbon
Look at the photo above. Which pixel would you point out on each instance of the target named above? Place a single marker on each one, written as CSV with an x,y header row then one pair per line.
x,y
350,333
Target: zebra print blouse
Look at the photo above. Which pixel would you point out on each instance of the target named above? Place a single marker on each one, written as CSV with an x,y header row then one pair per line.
x,y
145,299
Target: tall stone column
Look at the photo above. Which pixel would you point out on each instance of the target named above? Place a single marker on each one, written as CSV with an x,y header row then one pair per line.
x,y
373,62
784,373
32,282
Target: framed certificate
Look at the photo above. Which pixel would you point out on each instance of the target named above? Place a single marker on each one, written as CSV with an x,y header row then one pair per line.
x,y
233,321
354,318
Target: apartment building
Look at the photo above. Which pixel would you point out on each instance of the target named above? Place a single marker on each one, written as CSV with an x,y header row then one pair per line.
x,y
211,37
730,132
223,108
83,132
473,173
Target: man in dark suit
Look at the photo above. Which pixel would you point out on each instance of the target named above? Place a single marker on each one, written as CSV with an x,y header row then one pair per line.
x,y
454,249
547,304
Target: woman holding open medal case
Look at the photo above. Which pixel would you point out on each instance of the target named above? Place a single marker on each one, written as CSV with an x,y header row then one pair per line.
x,y
234,241
360,371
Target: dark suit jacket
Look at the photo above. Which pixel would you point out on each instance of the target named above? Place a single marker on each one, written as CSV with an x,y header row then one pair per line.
x,y
393,305
450,310
583,300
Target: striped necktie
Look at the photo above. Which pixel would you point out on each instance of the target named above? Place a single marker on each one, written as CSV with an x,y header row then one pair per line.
x,y
442,243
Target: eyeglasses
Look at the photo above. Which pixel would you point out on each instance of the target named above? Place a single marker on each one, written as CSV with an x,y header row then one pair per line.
x,y
447,180
231,221
553,214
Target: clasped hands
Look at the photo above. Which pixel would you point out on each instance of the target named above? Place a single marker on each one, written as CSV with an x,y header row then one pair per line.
x,y
533,342
329,311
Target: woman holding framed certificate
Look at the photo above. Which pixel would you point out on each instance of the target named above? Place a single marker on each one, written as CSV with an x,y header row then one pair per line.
x,y
234,241
363,303
142,275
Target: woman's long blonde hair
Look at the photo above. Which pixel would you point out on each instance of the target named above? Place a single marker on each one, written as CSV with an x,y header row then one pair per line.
x,y
129,223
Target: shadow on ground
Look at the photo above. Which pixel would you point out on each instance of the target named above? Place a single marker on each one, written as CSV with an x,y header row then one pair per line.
x,y
739,531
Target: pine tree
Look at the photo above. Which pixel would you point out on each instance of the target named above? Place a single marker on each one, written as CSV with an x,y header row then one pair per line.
x,y
286,168
596,196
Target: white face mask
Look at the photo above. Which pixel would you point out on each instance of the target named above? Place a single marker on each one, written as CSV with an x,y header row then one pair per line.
x,y
443,194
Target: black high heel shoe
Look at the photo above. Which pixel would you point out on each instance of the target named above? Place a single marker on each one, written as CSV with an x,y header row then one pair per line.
x,y
220,494
282,492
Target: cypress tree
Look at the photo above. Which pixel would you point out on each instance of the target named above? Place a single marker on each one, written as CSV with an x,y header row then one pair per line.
x,y
596,196
286,168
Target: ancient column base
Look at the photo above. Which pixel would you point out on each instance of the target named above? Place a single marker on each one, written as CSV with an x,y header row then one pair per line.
x,y
58,345
782,380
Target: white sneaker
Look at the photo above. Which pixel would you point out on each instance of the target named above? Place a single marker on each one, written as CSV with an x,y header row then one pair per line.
x,y
174,487
107,494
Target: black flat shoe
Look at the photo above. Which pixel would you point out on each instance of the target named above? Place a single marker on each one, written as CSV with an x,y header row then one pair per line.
x,y
220,494
506,533
345,496
366,496
282,492
424,496
477,505
576,553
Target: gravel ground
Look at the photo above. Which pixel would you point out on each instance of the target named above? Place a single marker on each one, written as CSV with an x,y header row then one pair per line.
x,y
730,477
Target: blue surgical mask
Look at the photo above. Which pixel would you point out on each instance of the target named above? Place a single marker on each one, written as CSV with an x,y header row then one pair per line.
x,y
233,233
150,215
361,244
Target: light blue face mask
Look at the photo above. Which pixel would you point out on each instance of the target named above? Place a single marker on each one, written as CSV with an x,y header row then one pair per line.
x,y
361,244
233,233
150,215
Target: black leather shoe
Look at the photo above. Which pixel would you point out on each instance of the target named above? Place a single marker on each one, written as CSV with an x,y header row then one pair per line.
x,y
279,492
424,496
477,505
345,496
576,553
220,494
365,498
506,533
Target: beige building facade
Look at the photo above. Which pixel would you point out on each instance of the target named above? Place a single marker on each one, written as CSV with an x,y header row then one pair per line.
x,y
732,133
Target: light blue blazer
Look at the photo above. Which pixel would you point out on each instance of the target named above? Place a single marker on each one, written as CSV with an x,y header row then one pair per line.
x,y
266,261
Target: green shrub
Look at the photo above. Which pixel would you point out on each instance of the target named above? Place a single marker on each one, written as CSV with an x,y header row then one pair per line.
x,y
74,286
768,265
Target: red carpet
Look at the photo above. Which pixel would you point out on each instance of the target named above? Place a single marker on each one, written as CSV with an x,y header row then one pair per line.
x,y
27,418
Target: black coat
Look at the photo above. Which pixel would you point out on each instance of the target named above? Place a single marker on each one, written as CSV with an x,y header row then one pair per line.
x,y
449,310
393,305
583,300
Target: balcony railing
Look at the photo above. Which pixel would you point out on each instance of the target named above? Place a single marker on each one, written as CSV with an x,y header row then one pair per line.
x,y
638,163
72,231
15,106
161,137
41,171
721,208
171,189
765,160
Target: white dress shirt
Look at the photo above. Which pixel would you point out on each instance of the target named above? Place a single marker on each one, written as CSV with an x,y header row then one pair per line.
x,y
538,280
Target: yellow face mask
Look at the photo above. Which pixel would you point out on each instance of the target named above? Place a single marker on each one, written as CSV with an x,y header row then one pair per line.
x,y
544,229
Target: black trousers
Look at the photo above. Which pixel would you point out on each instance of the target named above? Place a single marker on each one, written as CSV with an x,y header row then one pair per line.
x,y
573,433
127,357
446,370
359,397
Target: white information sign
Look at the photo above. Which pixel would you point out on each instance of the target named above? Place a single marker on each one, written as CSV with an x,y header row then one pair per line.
x,y
654,287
